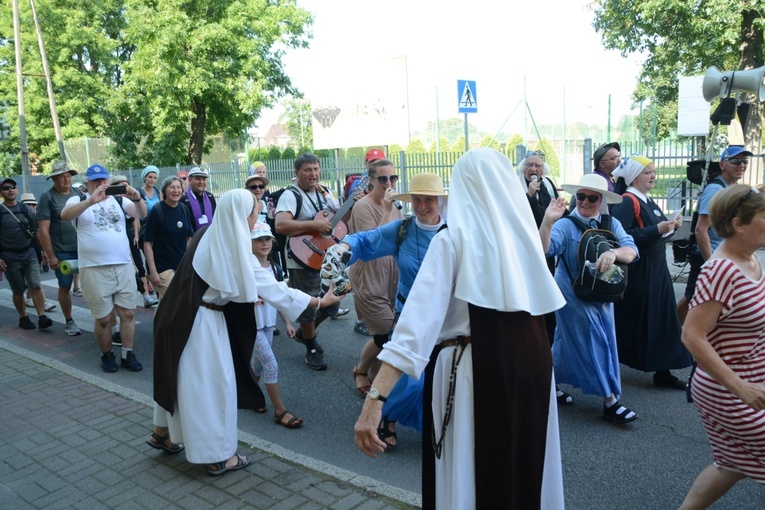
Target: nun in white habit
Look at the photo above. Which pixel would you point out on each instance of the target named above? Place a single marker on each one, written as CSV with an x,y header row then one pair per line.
x,y
197,379
474,319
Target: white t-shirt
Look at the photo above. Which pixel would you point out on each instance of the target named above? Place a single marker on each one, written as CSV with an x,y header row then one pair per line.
x,y
101,237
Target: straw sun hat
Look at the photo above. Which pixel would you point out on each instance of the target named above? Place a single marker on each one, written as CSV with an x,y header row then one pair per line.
x,y
423,184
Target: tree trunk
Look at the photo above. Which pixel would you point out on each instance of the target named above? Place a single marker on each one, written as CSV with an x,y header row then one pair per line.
x,y
751,46
197,140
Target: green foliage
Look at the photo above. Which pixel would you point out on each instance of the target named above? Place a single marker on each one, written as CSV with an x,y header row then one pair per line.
x,y
514,141
257,154
274,153
158,77
296,119
416,147
681,38
356,152
288,153
444,145
322,153
491,142
459,145
394,149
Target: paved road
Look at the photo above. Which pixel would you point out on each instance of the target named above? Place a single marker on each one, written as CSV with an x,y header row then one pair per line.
x,y
650,463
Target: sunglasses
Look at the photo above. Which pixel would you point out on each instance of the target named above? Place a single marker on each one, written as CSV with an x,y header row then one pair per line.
x,y
184,178
739,161
382,179
592,198
256,186
8,188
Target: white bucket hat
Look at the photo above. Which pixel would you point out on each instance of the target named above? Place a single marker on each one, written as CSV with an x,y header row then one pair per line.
x,y
595,183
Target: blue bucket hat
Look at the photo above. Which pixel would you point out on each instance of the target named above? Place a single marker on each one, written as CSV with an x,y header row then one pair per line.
x,y
96,171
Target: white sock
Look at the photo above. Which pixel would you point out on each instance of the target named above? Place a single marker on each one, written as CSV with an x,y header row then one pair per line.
x,y
125,351
611,403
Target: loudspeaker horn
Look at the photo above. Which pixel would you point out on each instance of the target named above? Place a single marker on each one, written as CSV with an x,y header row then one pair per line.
x,y
717,83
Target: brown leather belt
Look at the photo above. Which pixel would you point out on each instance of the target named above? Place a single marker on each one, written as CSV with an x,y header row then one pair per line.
x,y
217,308
460,340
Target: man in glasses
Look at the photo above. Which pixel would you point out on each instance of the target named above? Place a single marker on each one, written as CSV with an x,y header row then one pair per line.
x,y
17,255
296,214
200,201
605,160
733,163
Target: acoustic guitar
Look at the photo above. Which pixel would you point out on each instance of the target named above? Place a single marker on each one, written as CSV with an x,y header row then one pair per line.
x,y
308,250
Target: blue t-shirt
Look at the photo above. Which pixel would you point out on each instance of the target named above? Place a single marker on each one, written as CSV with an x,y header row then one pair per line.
x,y
706,198
168,235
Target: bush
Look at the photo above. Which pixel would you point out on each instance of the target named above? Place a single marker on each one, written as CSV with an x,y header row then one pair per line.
x,y
288,153
274,153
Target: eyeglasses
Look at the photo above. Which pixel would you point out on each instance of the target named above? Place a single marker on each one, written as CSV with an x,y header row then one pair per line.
x,y
256,186
534,165
8,188
382,179
613,158
592,198
738,161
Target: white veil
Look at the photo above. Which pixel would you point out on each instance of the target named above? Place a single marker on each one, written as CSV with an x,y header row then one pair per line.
x,y
224,256
501,264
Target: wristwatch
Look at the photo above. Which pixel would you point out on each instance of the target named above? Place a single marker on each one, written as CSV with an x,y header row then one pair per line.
x,y
375,395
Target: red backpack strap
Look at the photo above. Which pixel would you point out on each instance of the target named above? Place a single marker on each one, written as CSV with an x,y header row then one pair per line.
x,y
635,208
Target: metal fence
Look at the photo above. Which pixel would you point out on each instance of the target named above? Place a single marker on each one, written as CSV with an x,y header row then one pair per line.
x,y
672,190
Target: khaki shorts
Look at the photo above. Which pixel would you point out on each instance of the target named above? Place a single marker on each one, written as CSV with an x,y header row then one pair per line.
x,y
165,277
103,287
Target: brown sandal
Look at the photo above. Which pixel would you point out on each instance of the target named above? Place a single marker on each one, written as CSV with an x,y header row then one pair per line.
x,y
292,423
365,388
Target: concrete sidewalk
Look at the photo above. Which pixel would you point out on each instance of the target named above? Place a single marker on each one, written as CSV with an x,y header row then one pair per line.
x,y
72,440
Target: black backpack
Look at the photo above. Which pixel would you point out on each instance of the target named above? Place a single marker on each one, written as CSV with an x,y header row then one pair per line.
x,y
588,285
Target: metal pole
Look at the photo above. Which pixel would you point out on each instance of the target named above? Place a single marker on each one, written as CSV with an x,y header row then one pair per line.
x,y
438,135
608,133
49,84
467,143
20,96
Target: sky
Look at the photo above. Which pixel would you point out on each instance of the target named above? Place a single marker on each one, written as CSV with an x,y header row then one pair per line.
x,y
547,46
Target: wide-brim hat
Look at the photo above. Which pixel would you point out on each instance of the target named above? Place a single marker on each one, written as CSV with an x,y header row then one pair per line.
x,y
423,184
595,183
59,168
28,198
117,179
255,178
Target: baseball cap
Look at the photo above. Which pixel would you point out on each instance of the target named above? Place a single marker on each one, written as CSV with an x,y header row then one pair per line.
x,y
28,198
373,154
601,151
199,171
96,171
261,230
59,167
8,180
734,150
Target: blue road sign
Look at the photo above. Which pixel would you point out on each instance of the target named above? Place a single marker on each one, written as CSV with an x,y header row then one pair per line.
x,y
466,96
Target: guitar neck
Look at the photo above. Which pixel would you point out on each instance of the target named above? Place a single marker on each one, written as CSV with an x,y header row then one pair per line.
x,y
341,212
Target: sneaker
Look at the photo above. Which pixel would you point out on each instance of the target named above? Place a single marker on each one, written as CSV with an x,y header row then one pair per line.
x,y
277,332
44,322
108,364
30,303
49,305
315,360
299,338
26,323
149,301
361,328
117,339
71,328
77,292
131,363
669,382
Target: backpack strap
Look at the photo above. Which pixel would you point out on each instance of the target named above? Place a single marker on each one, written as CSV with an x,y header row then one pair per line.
x,y
579,223
402,230
635,208
298,200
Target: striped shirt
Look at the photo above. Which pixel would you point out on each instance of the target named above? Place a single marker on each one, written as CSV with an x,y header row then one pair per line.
x,y
735,430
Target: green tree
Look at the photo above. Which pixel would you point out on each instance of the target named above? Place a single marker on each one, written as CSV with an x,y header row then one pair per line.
x,y
296,119
444,145
683,38
416,147
514,141
86,54
490,141
459,144
288,153
273,153
208,67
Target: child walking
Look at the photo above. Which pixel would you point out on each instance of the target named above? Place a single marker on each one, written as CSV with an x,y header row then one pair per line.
x,y
263,362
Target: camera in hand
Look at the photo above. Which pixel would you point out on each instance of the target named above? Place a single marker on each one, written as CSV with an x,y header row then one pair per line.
x,y
119,189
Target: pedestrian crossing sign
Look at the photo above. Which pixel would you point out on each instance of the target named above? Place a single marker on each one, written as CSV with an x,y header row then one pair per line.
x,y
466,95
